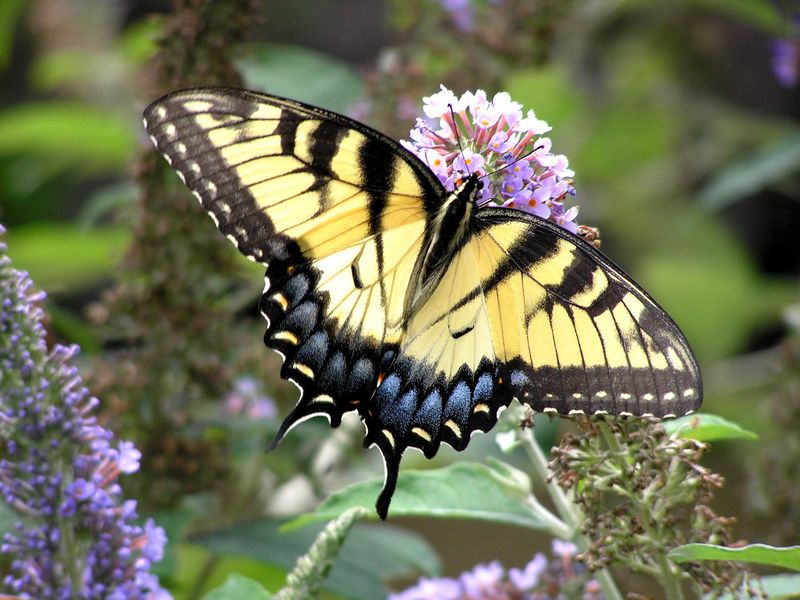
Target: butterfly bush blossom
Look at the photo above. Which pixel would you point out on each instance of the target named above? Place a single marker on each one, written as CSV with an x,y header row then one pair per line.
x,y
462,13
77,536
540,579
472,134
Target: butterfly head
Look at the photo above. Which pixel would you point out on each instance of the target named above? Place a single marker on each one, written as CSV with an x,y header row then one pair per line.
x,y
469,190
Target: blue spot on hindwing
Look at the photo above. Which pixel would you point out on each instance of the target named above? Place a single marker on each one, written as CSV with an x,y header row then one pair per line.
x,y
361,377
314,350
387,393
429,414
302,319
459,403
397,412
333,376
296,289
519,379
484,388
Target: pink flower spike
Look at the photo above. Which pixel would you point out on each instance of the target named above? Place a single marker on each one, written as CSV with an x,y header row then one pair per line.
x,y
487,117
561,166
493,137
477,102
537,205
469,162
436,162
532,124
438,104
521,148
470,130
500,143
129,457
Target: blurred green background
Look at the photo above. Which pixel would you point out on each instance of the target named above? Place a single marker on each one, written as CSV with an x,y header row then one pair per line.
x,y
685,144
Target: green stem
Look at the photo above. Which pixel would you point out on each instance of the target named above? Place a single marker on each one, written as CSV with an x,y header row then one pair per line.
x,y
608,437
311,569
567,509
554,525
672,586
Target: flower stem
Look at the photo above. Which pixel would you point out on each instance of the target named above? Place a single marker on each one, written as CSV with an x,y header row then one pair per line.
x,y
567,509
672,586
308,575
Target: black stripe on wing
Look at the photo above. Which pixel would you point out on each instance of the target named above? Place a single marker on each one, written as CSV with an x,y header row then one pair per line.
x,y
623,316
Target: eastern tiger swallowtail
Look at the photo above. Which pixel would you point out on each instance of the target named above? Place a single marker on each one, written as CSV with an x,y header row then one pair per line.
x,y
388,295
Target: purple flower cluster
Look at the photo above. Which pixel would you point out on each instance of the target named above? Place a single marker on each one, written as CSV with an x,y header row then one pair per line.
x,y
247,400
462,13
494,139
786,61
786,51
540,579
77,537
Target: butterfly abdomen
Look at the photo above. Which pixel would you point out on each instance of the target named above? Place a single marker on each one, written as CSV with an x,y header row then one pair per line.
x,y
450,227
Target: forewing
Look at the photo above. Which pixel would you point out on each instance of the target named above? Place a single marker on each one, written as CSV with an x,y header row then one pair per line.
x,y
582,336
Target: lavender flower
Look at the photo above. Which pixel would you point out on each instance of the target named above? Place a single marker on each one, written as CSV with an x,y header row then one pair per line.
x,y
786,51
786,61
540,579
462,13
247,400
471,134
77,536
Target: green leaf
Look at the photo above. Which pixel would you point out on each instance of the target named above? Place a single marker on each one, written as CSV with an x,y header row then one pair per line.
x,y
61,67
237,587
371,554
77,137
765,15
702,264
139,42
459,491
705,428
776,587
106,201
10,13
303,75
762,554
41,250
753,173
547,90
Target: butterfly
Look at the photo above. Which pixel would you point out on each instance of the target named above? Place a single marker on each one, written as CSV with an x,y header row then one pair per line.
x,y
389,295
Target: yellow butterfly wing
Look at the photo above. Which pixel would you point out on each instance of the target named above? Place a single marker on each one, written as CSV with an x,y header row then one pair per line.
x,y
527,310
337,213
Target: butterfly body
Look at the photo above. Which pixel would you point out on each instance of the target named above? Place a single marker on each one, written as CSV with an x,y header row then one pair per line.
x,y
390,296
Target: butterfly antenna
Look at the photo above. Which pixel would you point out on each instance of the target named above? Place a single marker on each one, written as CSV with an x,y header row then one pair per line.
x,y
504,167
457,133
515,161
